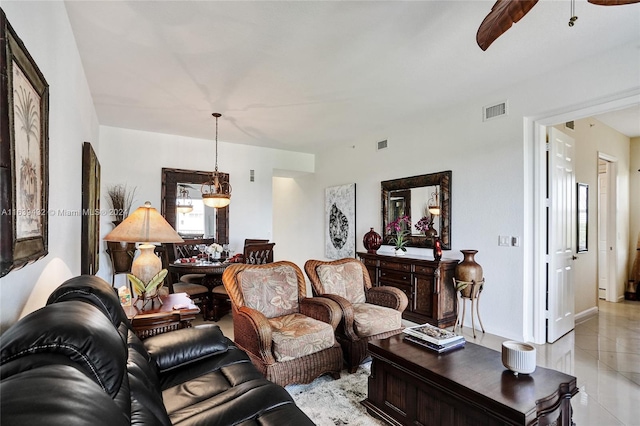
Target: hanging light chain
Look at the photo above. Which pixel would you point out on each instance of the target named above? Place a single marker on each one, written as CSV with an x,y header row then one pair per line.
x,y
573,18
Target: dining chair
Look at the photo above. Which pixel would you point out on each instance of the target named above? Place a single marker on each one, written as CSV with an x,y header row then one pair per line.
x,y
289,337
368,313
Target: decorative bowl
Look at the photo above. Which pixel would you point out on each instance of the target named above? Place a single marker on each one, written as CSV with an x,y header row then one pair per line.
x,y
519,357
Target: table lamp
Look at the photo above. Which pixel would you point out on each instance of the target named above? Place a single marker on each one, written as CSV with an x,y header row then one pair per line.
x,y
145,226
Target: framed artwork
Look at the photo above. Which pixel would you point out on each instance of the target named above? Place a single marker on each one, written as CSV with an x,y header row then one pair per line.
x,y
90,244
340,221
583,218
24,154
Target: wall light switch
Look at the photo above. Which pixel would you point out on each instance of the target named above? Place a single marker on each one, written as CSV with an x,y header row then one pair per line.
x,y
515,241
504,240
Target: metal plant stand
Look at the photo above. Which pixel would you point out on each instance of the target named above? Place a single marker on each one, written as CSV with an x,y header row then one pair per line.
x,y
472,295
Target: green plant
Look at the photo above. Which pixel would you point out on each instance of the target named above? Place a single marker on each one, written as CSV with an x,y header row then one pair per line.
x,y
147,290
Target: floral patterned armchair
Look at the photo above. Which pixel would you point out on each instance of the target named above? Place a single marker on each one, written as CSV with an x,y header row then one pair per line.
x,y
290,338
368,312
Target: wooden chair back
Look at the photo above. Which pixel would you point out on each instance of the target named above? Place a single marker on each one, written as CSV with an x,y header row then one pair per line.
x,y
258,254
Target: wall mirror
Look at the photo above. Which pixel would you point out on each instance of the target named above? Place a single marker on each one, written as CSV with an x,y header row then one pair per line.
x,y
202,221
426,197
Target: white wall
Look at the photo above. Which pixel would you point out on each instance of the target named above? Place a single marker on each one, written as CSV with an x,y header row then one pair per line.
x,y
136,158
490,184
72,121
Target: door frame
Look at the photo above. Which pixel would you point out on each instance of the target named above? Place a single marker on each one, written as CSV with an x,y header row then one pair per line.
x,y
612,228
535,221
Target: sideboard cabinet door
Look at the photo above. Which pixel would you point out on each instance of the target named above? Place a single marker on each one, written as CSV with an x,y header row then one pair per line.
x,y
427,283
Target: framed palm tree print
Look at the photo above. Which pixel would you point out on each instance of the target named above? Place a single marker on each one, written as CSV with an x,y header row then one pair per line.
x,y
24,154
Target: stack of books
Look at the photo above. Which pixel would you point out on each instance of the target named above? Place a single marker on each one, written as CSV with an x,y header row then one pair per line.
x,y
434,338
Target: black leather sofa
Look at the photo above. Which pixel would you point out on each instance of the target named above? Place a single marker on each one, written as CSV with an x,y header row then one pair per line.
x,y
77,362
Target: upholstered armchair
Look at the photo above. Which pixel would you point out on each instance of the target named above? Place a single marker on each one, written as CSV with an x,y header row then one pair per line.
x,y
290,338
367,312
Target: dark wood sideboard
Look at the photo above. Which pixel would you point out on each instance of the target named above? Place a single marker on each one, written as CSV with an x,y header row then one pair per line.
x,y
427,283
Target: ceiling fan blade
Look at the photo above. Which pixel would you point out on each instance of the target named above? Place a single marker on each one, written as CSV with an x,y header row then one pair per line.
x,y
613,2
504,13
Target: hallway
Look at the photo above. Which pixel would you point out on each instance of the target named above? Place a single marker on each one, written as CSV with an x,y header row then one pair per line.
x,y
604,354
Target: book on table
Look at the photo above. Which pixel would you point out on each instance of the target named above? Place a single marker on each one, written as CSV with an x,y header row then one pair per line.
x,y
434,347
432,334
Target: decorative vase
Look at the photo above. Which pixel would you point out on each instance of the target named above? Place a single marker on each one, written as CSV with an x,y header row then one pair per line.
x,y
437,248
400,252
468,271
431,232
372,241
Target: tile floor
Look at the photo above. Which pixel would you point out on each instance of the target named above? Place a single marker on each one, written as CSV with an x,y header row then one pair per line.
x,y
602,352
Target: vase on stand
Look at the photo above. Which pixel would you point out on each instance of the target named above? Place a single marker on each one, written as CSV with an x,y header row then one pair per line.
x,y
469,271
372,241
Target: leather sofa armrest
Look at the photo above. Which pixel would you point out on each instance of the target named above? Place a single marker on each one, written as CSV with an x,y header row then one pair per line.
x,y
181,347
322,309
387,296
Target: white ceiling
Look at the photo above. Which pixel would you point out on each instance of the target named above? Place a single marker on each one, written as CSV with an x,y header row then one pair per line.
x,y
304,75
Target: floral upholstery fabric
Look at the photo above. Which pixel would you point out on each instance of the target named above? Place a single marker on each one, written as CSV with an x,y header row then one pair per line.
x,y
274,291
297,335
344,280
373,319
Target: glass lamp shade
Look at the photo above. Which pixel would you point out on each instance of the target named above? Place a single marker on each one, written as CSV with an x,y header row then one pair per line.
x,y
216,200
434,210
184,208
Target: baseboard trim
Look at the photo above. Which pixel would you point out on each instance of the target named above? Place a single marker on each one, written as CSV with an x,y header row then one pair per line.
x,y
586,315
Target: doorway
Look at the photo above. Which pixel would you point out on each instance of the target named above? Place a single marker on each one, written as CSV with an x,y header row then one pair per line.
x,y
607,194
535,232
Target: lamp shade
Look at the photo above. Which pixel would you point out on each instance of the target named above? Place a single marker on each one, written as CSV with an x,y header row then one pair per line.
x,y
143,226
216,200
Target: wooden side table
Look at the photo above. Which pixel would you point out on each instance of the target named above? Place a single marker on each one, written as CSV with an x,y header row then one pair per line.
x,y
177,311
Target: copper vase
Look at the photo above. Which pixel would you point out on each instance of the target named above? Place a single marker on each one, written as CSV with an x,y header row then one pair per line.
x,y
372,241
468,271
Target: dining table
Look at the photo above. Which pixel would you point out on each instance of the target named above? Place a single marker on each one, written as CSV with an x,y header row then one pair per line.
x,y
212,278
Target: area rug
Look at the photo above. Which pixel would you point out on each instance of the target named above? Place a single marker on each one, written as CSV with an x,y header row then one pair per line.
x,y
331,402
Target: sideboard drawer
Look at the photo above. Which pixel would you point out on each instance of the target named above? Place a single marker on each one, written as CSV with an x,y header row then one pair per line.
x,y
370,262
396,276
395,265
426,270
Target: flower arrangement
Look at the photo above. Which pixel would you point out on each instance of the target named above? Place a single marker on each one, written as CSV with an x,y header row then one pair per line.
x,y
214,248
400,228
424,224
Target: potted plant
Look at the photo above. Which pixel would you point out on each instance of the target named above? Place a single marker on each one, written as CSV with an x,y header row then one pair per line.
x,y
399,229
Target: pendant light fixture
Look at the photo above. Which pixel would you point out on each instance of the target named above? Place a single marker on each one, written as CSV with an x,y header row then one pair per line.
x,y
184,203
217,191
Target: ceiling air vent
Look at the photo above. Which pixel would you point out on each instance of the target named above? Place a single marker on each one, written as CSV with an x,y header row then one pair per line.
x,y
382,144
570,125
494,111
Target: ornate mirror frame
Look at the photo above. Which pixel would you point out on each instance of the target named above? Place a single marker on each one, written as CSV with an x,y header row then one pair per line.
x,y
170,180
443,179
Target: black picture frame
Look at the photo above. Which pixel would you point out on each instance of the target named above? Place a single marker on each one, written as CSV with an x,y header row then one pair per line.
x,y
24,154
90,244
582,218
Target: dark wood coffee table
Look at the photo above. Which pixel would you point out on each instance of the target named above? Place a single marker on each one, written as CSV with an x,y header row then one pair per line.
x,y
411,385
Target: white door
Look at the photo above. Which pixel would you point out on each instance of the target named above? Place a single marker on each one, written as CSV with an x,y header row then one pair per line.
x,y
603,219
561,238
